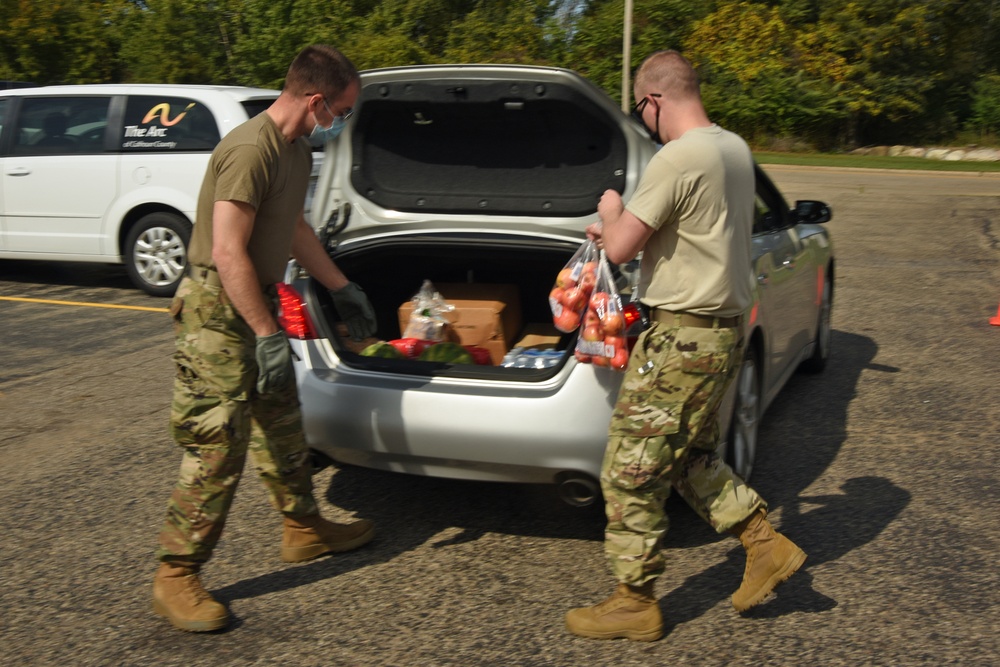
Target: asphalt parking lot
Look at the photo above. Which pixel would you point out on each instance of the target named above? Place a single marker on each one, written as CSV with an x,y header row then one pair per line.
x,y
884,469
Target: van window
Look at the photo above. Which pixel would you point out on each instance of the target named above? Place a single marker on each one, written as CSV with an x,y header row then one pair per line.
x,y
254,107
158,124
3,116
61,126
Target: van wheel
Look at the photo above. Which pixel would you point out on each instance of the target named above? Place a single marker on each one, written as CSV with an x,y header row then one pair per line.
x,y
156,252
742,440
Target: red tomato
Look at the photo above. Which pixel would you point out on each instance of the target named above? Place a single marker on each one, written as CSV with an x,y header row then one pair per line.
x,y
565,279
599,302
575,299
592,333
613,323
566,321
620,360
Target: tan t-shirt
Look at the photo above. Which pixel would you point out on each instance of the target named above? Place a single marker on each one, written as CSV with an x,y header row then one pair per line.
x,y
254,164
698,194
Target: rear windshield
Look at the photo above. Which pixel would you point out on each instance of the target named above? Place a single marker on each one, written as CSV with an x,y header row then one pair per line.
x,y
485,147
155,123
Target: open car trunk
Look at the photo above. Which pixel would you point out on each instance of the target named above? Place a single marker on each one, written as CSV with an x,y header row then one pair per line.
x,y
478,176
392,272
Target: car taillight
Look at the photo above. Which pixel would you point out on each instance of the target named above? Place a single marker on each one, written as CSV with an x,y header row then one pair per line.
x,y
632,314
292,314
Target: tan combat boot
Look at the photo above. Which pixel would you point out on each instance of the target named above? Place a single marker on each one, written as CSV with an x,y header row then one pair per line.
x,y
307,537
631,612
771,559
178,595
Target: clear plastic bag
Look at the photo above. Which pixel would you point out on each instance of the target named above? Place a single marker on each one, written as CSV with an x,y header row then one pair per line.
x,y
573,287
428,321
602,340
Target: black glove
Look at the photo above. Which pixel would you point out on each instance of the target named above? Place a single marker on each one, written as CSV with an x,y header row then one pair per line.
x,y
274,362
355,310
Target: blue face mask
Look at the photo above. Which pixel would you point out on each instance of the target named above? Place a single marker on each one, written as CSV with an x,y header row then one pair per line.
x,y
320,135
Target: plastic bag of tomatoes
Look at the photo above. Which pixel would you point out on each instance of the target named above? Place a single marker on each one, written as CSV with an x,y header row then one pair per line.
x,y
602,339
574,285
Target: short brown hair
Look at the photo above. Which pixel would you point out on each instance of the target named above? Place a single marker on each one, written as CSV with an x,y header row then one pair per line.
x,y
320,69
669,73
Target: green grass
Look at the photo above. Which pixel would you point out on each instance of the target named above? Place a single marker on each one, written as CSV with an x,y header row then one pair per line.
x,y
871,162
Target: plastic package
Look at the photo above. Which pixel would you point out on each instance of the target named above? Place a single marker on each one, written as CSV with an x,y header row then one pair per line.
x,y
428,320
573,287
602,337
520,357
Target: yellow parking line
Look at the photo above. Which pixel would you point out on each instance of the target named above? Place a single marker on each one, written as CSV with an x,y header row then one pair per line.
x,y
84,303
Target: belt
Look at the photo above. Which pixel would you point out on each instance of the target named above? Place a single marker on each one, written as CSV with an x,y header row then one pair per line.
x,y
682,319
204,275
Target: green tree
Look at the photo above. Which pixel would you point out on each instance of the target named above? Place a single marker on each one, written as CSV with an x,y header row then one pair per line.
x,y
178,41
746,56
60,41
595,49
501,32
885,56
271,32
985,117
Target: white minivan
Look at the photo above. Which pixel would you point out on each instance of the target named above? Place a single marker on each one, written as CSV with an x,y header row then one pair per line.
x,y
111,173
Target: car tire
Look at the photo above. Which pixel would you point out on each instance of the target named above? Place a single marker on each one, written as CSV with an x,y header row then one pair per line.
x,y
156,252
821,352
741,449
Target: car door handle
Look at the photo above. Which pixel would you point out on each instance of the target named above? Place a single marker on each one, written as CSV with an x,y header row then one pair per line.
x,y
18,171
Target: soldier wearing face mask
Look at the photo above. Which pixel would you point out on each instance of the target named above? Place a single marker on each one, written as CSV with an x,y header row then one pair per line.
x,y
234,390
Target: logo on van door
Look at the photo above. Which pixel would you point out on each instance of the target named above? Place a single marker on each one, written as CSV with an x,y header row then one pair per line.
x,y
163,110
159,111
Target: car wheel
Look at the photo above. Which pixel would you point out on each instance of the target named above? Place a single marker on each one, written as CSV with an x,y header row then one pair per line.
x,y
817,362
742,449
156,252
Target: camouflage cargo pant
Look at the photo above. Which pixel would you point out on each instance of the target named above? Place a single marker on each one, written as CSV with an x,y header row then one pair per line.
x,y
218,416
664,433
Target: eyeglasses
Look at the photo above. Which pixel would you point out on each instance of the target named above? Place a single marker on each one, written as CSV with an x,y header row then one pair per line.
x,y
640,105
342,118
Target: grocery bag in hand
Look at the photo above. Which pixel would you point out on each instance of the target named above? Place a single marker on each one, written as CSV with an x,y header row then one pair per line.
x,y
602,339
574,285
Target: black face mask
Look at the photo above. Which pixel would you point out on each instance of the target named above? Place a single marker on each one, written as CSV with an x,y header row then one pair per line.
x,y
637,115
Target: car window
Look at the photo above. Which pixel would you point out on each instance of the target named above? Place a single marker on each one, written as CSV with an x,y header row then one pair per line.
x,y
770,210
765,218
156,123
255,107
61,126
3,116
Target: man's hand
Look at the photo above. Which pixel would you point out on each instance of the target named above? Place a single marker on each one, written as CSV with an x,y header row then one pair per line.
x,y
355,310
274,362
610,207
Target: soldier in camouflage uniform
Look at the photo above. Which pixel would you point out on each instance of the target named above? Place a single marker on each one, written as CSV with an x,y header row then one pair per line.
x,y
235,392
691,216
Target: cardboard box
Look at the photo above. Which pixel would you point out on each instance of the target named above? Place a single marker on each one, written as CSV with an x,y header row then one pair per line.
x,y
539,337
485,315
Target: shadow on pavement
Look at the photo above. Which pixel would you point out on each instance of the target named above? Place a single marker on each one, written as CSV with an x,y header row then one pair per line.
x,y
801,435
65,274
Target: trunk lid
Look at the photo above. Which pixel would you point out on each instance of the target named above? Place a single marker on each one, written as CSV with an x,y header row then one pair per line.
x,y
479,148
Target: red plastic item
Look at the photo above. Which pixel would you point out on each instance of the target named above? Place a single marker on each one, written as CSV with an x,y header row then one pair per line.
x,y
479,354
410,347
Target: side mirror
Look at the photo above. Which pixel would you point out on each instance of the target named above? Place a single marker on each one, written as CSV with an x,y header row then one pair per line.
x,y
812,212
